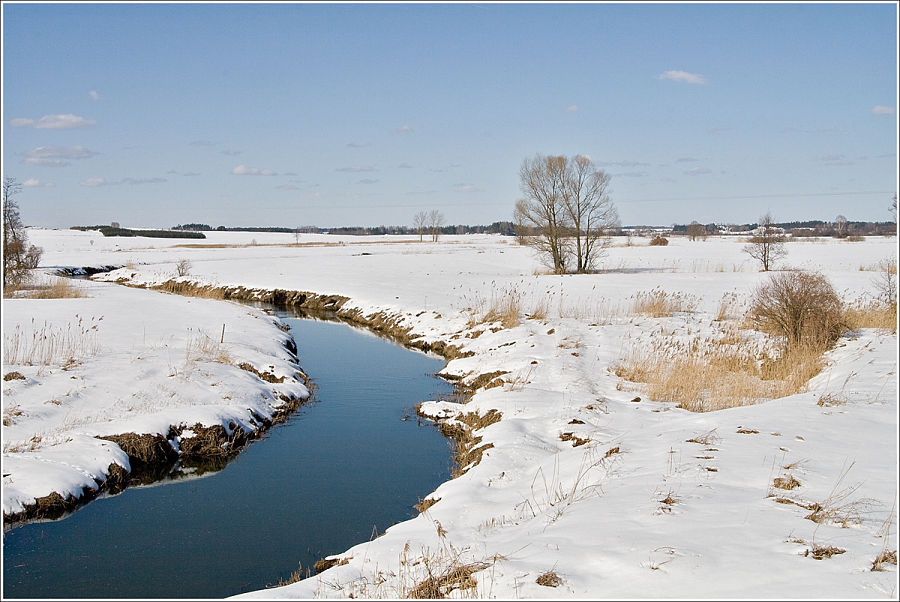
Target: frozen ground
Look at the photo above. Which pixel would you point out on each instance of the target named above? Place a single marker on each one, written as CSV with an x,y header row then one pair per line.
x,y
637,511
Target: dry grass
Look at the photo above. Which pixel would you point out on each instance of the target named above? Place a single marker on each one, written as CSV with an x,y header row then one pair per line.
x,y
820,552
202,347
50,345
10,413
549,579
505,308
541,308
788,482
60,288
658,303
864,313
718,372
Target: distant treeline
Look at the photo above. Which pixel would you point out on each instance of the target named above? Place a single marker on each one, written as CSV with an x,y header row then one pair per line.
x,y
839,229
505,228
111,231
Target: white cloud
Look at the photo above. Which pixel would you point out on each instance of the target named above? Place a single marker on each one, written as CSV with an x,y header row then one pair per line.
x,y
698,171
466,188
94,95
682,76
56,156
882,110
405,129
832,157
35,183
572,108
368,181
243,170
405,166
67,121
685,160
94,182
356,168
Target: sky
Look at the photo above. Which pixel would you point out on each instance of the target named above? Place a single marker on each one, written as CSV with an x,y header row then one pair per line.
x,y
337,114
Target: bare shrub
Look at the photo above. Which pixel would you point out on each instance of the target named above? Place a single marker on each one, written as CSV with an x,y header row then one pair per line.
x,y
799,307
886,283
183,267
659,241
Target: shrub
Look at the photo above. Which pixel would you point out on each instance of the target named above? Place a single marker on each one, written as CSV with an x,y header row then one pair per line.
x,y
659,241
183,267
800,307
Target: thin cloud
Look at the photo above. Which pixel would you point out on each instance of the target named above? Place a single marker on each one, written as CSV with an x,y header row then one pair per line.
x,y
466,188
287,187
141,181
368,181
243,170
98,182
698,171
66,121
94,95
677,75
632,174
56,156
404,129
356,168
882,110
622,164
357,144
231,153
405,166
36,183
572,108
686,160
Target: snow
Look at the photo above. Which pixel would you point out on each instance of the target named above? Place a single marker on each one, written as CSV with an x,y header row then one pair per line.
x,y
593,513
138,364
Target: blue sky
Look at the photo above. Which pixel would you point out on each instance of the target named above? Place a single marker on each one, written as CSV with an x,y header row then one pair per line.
x,y
362,114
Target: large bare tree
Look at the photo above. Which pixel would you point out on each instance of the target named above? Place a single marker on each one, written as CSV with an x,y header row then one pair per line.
x,y
767,245
435,222
566,210
420,221
589,209
540,217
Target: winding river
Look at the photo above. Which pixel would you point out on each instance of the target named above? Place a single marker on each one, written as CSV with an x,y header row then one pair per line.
x,y
341,470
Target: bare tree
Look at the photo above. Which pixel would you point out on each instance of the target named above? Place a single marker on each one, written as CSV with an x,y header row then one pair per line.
x,y
420,221
589,210
296,236
893,208
18,256
541,218
435,221
767,245
840,226
696,230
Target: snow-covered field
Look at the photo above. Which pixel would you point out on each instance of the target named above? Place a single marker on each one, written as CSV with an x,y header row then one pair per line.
x,y
636,511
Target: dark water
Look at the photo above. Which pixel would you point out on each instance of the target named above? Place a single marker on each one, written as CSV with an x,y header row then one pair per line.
x,y
338,470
